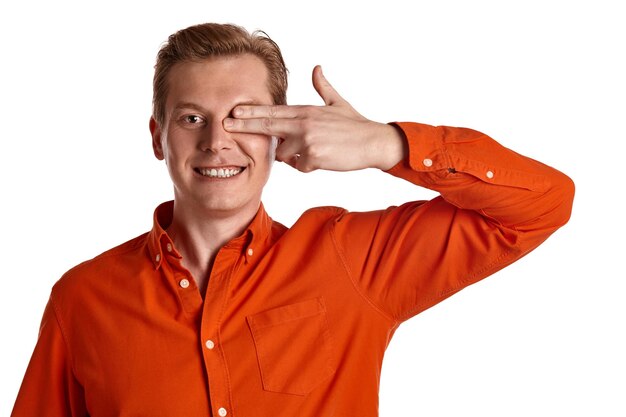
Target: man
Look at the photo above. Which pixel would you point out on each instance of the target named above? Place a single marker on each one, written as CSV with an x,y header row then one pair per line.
x,y
221,311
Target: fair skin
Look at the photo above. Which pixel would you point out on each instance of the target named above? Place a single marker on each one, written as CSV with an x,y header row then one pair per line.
x,y
332,137
221,135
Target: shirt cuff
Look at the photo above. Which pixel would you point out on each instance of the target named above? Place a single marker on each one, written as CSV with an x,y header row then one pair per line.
x,y
439,151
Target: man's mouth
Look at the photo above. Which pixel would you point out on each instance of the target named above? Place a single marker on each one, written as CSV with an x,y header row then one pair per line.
x,y
219,172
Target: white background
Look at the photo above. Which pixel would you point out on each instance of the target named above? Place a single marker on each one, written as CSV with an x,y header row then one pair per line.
x,y
545,337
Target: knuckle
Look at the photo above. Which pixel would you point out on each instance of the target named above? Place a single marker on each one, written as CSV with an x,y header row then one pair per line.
x,y
273,110
266,125
310,140
306,167
306,124
313,152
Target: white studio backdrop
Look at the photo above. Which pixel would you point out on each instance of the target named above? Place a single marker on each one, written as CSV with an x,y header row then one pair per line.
x,y
544,337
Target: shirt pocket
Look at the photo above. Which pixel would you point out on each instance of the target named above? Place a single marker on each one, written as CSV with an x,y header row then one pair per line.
x,y
293,346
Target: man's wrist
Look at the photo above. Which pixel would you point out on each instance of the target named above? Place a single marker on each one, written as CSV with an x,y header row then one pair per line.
x,y
391,147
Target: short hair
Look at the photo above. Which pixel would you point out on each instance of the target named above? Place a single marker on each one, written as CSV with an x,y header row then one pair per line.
x,y
208,40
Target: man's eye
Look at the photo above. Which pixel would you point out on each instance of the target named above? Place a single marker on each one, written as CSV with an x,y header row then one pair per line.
x,y
193,119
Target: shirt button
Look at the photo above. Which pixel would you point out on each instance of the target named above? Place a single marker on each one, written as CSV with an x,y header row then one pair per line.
x,y
222,412
427,162
489,174
169,247
157,258
209,344
184,283
250,252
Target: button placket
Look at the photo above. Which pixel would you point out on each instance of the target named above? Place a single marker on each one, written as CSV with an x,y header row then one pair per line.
x,y
215,301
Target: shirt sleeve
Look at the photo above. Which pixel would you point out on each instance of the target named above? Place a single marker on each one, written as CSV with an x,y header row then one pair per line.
x,y
494,207
50,387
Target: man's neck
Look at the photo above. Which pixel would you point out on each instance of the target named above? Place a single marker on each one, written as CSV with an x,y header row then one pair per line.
x,y
199,235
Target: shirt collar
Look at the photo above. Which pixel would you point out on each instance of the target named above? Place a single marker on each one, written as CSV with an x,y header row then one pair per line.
x,y
160,244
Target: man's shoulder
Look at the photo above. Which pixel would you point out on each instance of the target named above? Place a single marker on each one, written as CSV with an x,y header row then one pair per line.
x,y
322,213
119,258
330,215
317,219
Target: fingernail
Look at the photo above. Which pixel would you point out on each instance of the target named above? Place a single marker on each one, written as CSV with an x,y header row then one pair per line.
x,y
228,122
237,111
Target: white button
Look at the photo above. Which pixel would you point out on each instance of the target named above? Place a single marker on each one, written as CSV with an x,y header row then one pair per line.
x,y
184,283
157,257
209,344
250,252
427,162
169,247
489,174
222,412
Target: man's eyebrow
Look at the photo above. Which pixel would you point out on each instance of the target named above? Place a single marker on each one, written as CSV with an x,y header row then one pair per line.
x,y
248,103
189,105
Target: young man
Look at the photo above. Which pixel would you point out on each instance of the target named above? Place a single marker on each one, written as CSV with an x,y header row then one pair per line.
x,y
221,311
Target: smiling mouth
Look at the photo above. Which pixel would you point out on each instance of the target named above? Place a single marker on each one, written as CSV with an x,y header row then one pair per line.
x,y
219,172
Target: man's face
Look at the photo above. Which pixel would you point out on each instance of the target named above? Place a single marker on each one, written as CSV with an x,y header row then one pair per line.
x,y
211,168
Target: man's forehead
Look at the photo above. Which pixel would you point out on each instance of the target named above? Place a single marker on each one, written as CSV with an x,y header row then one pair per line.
x,y
233,70
241,79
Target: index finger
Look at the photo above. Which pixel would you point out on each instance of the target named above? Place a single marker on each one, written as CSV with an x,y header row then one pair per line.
x,y
274,111
264,126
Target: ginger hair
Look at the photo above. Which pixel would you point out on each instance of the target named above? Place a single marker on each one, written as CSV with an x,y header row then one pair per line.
x,y
209,40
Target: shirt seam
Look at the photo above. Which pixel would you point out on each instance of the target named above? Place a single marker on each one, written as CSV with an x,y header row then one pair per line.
x,y
59,321
367,300
278,323
136,244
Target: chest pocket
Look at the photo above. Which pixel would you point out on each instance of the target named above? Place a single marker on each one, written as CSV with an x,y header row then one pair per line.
x,y
293,346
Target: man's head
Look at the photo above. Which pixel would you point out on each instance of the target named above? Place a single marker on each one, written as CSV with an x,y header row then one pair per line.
x,y
209,40
201,75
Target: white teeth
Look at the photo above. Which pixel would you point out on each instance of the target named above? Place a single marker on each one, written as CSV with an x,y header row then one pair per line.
x,y
219,173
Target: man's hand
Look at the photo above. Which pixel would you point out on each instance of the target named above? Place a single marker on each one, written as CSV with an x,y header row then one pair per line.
x,y
333,137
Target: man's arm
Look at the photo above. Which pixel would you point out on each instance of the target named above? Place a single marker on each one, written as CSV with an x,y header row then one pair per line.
x,y
495,205
50,387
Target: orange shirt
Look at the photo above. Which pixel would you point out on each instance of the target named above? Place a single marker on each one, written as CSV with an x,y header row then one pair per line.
x,y
294,321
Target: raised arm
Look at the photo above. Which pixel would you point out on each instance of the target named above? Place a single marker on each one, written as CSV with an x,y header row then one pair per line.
x,y
495,205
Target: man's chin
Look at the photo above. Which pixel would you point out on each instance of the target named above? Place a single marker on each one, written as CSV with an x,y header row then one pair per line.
x,y
227,207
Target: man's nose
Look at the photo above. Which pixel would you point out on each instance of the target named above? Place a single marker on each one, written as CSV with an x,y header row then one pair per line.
x,y
215,138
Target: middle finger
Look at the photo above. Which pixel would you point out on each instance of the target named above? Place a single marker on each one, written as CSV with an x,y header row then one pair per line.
x,y
271,111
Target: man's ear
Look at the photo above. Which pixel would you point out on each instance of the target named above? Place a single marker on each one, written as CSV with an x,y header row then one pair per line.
x,y
157,147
